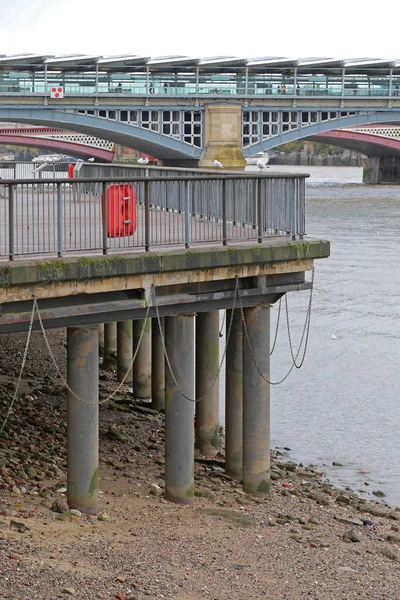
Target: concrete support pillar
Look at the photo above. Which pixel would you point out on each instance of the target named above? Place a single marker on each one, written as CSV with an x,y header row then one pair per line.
x,y
157,366
124,350
101,338
234,397
141,372
207,410
223,136
256,402
83,419
110,342
179,412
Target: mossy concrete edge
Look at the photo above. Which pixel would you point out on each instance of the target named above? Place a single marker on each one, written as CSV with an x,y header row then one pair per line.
x,y
83,268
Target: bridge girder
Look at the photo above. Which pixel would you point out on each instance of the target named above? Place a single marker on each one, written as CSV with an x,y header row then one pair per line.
x,y
131,136
364,143
63,146
319,128
168,148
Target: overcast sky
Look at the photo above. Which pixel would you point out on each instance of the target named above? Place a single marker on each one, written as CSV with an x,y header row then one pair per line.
x,y
343,29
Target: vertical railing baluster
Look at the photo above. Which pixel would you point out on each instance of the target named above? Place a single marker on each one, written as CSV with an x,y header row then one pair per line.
x,y
187,214
59,221
104,215
259,212
294,206
147,216
224,213
11,219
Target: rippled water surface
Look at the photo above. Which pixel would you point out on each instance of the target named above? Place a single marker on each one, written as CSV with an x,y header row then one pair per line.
x,y
344,404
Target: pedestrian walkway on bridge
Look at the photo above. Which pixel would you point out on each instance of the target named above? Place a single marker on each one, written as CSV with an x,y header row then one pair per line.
x,y
227,76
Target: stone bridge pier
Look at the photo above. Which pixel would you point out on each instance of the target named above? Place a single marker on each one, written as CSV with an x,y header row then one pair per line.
x,y
223,136
382,169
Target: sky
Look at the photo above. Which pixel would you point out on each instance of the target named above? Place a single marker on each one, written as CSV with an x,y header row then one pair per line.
x,y
336,29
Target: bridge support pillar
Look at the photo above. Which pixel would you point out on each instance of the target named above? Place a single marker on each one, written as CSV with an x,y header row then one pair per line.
x,y
124,350
234,397
83,418
110,342
382,169
223,136
256,402
207,410
179,412
157,366
141,371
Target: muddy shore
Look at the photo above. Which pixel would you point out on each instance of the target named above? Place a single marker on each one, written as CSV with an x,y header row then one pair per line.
x,y
307,540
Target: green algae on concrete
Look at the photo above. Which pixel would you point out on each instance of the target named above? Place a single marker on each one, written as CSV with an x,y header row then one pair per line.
x,y
5,276
100,267
303,249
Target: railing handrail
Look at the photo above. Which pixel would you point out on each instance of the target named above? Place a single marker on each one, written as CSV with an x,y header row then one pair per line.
x,y
219,177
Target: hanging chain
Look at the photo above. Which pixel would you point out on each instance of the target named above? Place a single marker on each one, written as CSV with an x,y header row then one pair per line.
x,y
277,327
195,400
306,328
10,408
64,381
305,334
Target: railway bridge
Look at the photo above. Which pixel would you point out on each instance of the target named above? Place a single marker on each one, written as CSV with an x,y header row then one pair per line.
x,y
192,111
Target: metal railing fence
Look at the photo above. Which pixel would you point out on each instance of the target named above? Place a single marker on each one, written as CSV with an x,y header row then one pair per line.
x,y
79,216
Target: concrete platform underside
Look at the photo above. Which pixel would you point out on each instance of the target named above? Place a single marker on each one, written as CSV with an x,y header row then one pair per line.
x,y
83,290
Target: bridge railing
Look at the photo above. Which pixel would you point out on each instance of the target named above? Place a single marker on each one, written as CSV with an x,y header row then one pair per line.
x,y
26,169
66,217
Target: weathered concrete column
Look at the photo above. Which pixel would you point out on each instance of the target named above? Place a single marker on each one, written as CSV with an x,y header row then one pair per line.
x,y
101,338
141,372
179,412
157,366
256,402
83,419
110,341
234,397
124,350
207,410
223,135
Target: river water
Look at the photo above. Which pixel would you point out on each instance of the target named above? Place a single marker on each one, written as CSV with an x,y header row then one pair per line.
x,y
344,404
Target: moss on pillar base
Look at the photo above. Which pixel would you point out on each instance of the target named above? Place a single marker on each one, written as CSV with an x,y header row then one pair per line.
x,y
230,155
234,464
85,502
180,495
258,484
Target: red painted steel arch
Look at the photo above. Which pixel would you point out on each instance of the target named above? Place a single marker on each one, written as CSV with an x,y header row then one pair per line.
x,y
366,143
62,146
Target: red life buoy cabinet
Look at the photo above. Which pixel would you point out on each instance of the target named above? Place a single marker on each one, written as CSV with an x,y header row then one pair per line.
x,y
121,210
71,168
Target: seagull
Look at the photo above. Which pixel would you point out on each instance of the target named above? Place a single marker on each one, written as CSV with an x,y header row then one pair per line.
x,y
91,159
261,165
143,161
333,337
218,164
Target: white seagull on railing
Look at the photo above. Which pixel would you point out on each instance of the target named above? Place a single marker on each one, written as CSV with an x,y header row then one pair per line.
x,y
143,161
261,165
91,159
218,164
